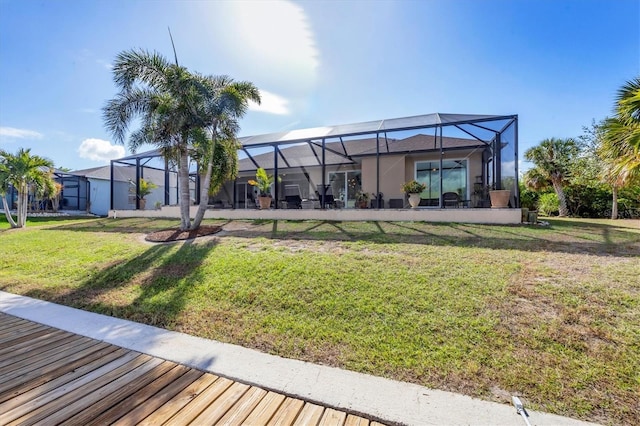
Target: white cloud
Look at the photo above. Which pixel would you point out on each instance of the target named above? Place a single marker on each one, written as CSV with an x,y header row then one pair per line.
x,y
273,38
104,64
100,150
271,103
12,132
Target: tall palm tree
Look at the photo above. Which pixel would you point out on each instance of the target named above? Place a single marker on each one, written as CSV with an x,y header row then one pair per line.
x,y
165,98
552,160
619,146
620,159
628,112
24,172
225,101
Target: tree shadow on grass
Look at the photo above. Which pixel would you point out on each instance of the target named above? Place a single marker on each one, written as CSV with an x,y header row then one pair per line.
x,y
152,288
576,237
124,225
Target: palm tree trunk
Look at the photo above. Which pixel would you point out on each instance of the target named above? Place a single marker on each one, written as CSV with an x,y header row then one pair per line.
x,y
614,203
183,182
204,189
23,198
7,213
563,210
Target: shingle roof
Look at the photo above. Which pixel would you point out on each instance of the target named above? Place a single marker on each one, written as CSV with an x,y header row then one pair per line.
x,y
308,155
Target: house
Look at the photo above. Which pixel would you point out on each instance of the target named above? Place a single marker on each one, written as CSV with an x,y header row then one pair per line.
x,y
99,184
328,167
73,196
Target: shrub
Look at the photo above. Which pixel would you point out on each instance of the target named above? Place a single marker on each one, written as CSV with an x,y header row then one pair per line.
x,y
549,204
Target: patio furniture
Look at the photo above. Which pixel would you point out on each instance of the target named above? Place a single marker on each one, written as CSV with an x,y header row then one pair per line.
x,y
325,196
396,203
451,199
292,196
377,202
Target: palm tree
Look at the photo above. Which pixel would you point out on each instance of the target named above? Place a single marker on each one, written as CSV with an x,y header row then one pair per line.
x,y
552,160
225,101
620,159
628,113
24,171
165,98
619,144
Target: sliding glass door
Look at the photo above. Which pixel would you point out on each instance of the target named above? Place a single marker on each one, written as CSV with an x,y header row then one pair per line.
x,y
454,179
345,185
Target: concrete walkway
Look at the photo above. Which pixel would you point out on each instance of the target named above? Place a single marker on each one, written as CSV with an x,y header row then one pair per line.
x,y
387,400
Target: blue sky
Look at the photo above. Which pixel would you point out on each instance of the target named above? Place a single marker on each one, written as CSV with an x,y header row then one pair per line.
x,y
557,64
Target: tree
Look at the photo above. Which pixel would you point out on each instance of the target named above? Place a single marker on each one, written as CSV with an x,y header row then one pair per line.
x,y
165,97
186,115
620,160
552,160
619,142
627,116
24,172
225,101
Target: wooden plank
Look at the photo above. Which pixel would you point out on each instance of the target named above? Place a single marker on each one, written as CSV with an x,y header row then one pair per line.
x,y
53,355
13,322
28,340
353,420
222,404
265,410
310,415
93,404
287,412
55,370
179,401
8,321
332,417
148,399
197,405
239,412
69,390
377,424
39,351
18,331
103,409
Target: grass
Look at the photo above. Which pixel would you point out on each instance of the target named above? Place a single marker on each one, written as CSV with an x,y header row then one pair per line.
x,y
548,313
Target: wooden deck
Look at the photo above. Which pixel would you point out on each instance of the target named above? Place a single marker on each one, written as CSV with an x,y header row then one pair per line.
x,y
49,376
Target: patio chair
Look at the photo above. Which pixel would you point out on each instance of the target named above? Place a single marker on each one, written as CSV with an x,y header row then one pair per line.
x,y
326,195
451,199
396,203
292,196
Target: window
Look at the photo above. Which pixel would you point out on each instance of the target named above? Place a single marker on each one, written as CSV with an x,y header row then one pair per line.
x,y
454,178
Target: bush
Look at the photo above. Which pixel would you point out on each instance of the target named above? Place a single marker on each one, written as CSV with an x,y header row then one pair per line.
x,y
549,204
528,198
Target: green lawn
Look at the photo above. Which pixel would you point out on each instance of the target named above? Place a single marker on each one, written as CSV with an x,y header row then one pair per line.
x,y
548,313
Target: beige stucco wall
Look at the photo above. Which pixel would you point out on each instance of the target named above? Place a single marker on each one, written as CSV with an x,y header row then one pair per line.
x,y
392,173
397,169
494,216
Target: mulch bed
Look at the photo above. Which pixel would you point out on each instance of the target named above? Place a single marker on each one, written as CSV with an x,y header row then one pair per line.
x,y
175,234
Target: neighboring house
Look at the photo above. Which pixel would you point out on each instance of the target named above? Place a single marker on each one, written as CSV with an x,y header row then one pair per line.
x,y
124,188
451,153
73,197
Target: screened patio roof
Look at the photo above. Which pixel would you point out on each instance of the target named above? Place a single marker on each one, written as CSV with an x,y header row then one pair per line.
x,y
370,127
491,124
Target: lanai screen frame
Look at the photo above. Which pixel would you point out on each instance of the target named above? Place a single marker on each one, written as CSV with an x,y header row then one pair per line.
x,y
318,137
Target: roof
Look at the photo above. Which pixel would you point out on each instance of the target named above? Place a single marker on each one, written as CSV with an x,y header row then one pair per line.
x,y
309,154
369,127
121,173
356,129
